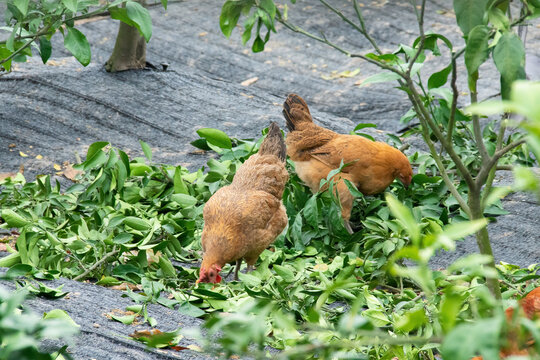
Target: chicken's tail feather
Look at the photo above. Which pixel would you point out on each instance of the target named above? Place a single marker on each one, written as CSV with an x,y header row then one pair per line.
x,y
295,110
274,144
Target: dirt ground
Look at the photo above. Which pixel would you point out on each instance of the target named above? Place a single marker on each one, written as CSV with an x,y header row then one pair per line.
x,y
57,110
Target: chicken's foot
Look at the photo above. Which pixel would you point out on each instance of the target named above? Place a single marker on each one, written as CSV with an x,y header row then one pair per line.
x,y
348,226
238,263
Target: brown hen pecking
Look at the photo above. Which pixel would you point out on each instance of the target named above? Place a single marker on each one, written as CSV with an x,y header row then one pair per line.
x,y
243,218
316,151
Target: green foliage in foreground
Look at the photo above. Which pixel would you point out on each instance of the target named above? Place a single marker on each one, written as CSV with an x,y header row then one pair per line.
x,y
318,292
21,331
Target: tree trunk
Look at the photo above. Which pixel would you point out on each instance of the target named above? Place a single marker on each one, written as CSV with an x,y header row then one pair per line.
x,y
482,239
129,51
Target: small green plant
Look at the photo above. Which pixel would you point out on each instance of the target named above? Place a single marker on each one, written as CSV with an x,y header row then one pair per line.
x,y
21,330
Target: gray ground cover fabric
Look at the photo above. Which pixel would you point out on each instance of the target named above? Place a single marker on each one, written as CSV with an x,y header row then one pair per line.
x,y
57,110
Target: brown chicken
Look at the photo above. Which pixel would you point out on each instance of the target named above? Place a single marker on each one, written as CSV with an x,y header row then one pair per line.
x,y
371,165
243,218
530,305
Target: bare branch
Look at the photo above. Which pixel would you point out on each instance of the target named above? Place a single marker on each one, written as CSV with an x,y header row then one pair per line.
x,y
97,264
363,26
324,40
455,94
420,18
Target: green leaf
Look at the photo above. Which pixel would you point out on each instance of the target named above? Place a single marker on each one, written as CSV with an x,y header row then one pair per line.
x,y
19,270
285,273
76,43
108,281
45,48
467,340
179,185
4,54
167,267
120,13
364,125
311,211
404,215
94,148
411,320
71,5
380,77
230,13
439,78
184,200
215,137
22,5
164,3
460,230
126,319
141,18
137,223
477,48
61,315
188,309
146,150
509,57
13,219
122,238
498,18
469,13
258,45
376,317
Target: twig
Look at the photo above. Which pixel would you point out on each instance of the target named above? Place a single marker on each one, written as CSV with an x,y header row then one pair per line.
x,y
420,18
363,26
324,40
455,94
491,175
484,171
97,264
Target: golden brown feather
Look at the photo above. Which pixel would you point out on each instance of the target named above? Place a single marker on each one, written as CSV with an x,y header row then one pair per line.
x,y
316,151
243,218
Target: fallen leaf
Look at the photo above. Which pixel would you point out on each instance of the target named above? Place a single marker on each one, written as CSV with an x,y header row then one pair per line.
x,y
96,325
320,267
39,157
249,81
179,348
195,348
344,74
204,33
4,176
70,173
3,247
22,154
246,95
140,333
125,286
11,146
57,167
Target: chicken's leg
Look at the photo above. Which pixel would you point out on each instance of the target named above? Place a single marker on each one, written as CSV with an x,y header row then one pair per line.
x,y
238,263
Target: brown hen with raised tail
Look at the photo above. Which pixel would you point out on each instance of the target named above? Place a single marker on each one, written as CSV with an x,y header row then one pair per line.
x,y
316,151
243,218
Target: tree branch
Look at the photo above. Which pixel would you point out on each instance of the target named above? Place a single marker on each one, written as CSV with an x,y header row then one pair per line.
x,y
455,94
324,40
97,264
420,18
435,128
363,26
